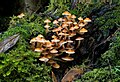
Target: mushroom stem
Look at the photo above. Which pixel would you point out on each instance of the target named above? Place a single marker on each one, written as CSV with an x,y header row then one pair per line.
x,y
78,44
47,30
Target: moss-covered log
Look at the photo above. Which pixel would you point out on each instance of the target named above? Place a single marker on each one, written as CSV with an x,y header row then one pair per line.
x,y
98,54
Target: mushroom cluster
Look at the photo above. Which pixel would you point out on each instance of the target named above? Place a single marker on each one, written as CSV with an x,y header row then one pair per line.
x,y
62,44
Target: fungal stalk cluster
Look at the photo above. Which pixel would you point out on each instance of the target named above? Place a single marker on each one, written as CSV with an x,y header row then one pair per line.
x,y
62,45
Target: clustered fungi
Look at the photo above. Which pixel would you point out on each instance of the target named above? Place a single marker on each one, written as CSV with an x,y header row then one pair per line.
x,y
62,43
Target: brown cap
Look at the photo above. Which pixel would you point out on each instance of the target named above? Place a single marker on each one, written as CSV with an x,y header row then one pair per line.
x,y
46,26
75,23
60,19
76,27
55,22
67,58
66,13
72,34
81,24
79,38
40,35
54,51
47,21
55,65
51,61
48,44
87,20
80,18
55,40
33,40
39,49
64,25
72,28
73,16
44,59
69,22
70,51
83,30
57,29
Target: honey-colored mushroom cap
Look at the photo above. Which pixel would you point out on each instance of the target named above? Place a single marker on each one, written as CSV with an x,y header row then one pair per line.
x,y
80,18
55,65
47,21
70,51
87,20
73,16
81,24
79,38
66,13
55,40
60,19
39,49
67,58
54,51
55,22
83,30
46,26
33,40
44,59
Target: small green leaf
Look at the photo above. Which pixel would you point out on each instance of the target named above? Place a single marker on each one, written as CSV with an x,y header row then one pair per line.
x,y
8,73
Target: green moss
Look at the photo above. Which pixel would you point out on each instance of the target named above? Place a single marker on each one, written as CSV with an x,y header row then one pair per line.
x,y
109,69
107,66
20,63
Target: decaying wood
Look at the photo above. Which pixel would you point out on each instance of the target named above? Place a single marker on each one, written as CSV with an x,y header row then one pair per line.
x,y
71,75
8,42
54,79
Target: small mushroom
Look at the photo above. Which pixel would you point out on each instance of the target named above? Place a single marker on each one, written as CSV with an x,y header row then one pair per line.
x,y
47,28
39,49
55,65
67,58
73,17
44,59
79,40
69,22
60,19
71,34
55,40
56,22
33,40
51,62
62,43
80,19
81,25
76,27
70,51
57,30
47,21
66,13
72,28
87,20
54,51
75,23
48,44
83,30
48,56
64,25
40,35
41,40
